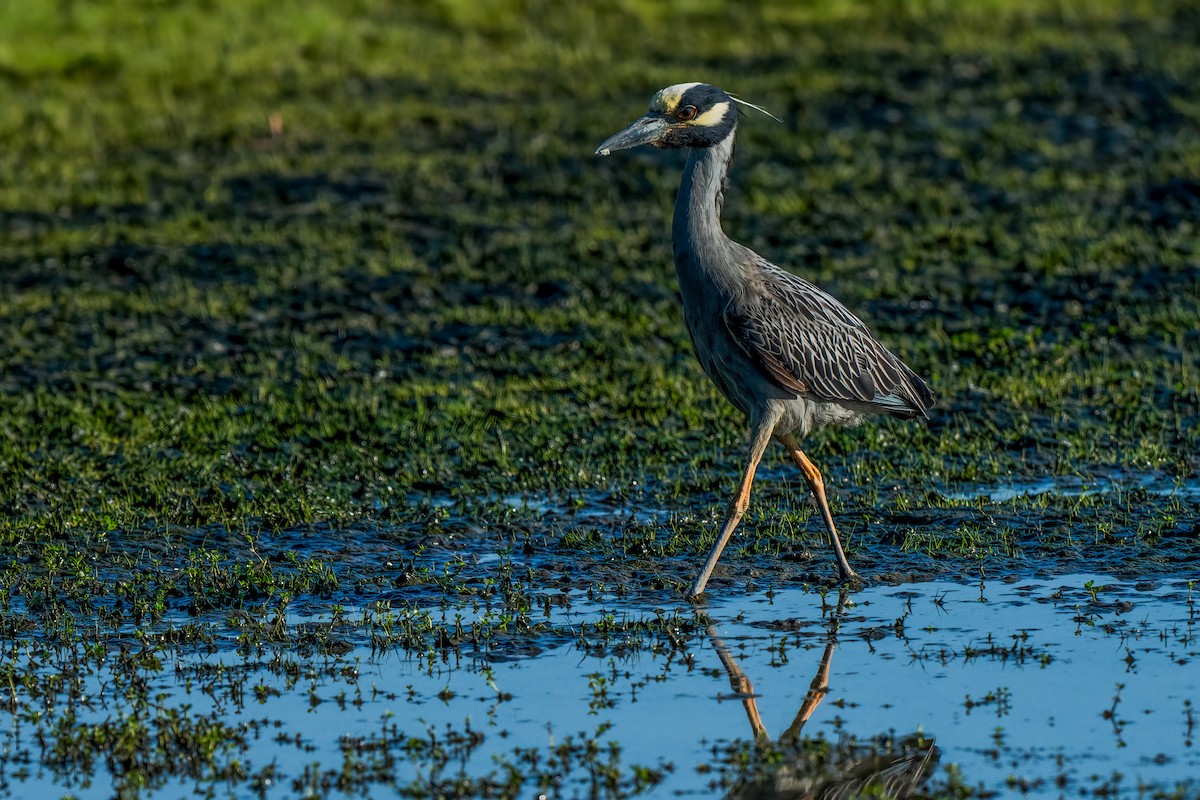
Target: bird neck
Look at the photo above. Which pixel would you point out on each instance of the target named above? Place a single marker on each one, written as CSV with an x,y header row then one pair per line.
x,y
696,229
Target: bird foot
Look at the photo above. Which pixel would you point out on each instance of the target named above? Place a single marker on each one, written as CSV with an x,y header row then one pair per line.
x,y
851,582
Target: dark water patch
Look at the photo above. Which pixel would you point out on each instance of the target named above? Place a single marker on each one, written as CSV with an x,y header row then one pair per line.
x,y
1171,204
23,225
1098,98
1152,483
254,195
1124,522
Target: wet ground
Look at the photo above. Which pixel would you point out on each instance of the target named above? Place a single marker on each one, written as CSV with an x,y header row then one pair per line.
x,y
519,646
473,663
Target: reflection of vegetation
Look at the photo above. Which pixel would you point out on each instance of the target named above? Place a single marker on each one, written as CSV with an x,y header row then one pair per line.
x,y
582,766
131,714
101,716
144,750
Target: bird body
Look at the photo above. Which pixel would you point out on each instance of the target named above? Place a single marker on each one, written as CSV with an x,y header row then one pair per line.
x,y
784,352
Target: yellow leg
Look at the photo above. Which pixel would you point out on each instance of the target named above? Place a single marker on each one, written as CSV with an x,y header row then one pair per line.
x,y
741,501
816,485
816,693
740,684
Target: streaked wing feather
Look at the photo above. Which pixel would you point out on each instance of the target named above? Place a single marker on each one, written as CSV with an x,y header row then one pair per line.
x,y
807,342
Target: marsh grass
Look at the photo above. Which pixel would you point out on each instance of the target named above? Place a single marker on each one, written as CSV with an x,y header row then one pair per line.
x,y
317,271
297,297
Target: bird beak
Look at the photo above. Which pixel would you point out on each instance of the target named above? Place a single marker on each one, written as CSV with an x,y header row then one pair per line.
x,y
647,130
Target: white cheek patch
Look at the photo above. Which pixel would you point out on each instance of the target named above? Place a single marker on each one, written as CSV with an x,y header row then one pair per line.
x,y
713,116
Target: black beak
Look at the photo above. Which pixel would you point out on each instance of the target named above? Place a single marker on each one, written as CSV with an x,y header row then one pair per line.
x,y
646,130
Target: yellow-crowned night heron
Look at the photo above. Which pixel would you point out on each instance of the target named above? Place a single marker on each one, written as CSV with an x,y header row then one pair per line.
x,y
787,354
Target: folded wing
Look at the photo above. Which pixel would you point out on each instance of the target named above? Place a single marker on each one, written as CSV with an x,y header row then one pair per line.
x,y
807,342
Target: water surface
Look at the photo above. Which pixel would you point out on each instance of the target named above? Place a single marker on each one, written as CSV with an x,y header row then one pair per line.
x,y
1065,686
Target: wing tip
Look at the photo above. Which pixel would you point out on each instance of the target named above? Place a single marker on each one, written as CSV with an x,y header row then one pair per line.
x,y
913,399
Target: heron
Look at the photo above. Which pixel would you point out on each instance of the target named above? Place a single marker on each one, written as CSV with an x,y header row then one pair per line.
x,y
787,354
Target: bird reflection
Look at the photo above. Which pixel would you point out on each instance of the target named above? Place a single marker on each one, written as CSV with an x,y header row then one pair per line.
x,y
795,768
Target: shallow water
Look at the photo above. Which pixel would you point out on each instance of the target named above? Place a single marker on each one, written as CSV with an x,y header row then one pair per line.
x,y
1077,685
1079,486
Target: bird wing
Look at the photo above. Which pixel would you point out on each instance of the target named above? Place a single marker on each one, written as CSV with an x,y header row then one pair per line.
x,y
807,342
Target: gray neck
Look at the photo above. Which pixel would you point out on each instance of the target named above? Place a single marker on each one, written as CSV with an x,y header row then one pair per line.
x,y
702,250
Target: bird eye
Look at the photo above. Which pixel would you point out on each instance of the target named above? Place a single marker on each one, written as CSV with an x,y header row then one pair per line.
x,y
687,113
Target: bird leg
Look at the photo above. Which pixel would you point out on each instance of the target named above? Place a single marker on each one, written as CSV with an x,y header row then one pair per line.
x,y
741,686
737,507
816,693
816,485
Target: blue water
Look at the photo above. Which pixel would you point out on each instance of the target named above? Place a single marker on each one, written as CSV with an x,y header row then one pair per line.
x,y
1027,682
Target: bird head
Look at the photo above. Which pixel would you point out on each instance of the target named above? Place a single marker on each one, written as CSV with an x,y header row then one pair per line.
x,y
683,115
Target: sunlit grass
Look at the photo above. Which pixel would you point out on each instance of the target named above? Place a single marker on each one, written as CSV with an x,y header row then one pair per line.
x,y
270,265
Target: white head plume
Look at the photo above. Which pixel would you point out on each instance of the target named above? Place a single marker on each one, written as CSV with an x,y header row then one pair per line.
x,y
759,109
